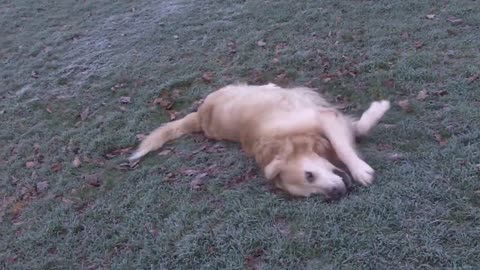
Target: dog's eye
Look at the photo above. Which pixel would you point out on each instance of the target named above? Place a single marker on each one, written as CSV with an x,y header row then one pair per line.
x,y
310,177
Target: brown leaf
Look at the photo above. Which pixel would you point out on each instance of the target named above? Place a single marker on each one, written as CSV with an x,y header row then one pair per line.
x,y
35,74
197,182
395,156
422,95
405,35
56,167
275,60
390,83
473,78
76,162
164,103
93,180
175,93
173,115
125,100
66,200
17,208
440,93
232,47
207,77
49,110
281,79
141,137
31,164
36,147
118,152
405,105
418,44
165,152
430,16
384,147
454,21
42,186
440,139
261,43
84,114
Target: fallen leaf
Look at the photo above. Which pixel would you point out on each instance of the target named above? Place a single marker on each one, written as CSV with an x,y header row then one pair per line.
x,y
42,186
395,156
175,93
76,162
197,182
384,147
281,79
130,165
56,167
430,16
440,93
473,78
405,105
17,208
189,172
141,137
390,83
405,35
275,60
207,77
422,95
173,115
35,74
261,43
66,200
454,21
36,148
118,152
165,152
49,110
93,180
164,103
440,139
84,114
125,100
418,44
232,47
31,164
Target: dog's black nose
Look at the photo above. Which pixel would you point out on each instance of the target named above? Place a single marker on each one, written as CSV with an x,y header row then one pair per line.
x,y
336,193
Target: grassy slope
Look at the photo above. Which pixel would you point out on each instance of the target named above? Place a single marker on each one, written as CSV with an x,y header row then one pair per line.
x,y
422,212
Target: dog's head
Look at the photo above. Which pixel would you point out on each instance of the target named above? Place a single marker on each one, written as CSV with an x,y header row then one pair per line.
x,y
301,168
305,175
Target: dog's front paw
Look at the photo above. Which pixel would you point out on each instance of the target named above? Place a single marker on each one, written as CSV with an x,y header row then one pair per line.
x,y
363,173
380,107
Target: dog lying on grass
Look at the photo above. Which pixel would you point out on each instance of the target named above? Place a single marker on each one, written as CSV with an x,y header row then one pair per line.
x,y
302,143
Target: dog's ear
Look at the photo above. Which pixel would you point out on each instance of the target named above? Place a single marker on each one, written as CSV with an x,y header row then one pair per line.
x,y
273,168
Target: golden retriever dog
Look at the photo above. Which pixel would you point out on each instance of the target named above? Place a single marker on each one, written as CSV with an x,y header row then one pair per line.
x,y
302,143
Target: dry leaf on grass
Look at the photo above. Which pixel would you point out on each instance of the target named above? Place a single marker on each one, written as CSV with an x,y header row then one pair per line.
x,y
261,43
31,164
207,77
422,95
76,162
56,167
84,114
197,182
49,110
173,114
395,156
232,47
42,186
405,105
165,152
418,44
440,139
163,102
473,78
118,152
93,180
455,21
430,16
440,93
125,100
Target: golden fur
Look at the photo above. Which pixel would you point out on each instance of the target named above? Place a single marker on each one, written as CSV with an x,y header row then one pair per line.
x,y
299,140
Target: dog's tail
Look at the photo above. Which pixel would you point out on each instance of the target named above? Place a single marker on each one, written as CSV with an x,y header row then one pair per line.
x,y
167,132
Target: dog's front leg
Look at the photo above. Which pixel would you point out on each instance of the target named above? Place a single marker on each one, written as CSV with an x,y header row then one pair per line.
x,y
337,129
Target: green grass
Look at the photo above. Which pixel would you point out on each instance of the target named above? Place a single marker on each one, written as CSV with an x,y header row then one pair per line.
x,y
60,57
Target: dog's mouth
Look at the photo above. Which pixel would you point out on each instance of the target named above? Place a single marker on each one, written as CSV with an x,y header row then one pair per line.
x,y
345,175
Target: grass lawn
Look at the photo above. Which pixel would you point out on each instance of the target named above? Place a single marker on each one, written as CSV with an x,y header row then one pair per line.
x,y
82,80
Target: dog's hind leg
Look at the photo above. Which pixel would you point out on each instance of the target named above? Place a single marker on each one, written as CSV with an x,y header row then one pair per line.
x,y
370,118
167,132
